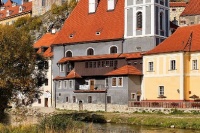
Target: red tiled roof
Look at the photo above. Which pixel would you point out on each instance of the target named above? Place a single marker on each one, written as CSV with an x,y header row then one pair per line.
x,y
99,57
45,41
84,25
125,70
183,39
177,4
71,75
192,8
27,7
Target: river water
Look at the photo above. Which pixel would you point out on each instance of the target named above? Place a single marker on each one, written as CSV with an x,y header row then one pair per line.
x,y
124,128
113,128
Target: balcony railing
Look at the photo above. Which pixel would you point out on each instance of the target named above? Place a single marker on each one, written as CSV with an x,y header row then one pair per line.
x,y
96,87
158,104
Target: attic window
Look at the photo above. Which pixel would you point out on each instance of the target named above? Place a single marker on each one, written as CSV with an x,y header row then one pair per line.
x,y
71,35
98,33
20,9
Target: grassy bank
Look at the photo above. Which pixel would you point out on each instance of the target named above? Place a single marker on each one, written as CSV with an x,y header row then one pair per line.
x,y
74,122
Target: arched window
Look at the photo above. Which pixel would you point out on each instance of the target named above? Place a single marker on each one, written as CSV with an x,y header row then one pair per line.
x,y
68,54
161,21
139,20
113,49
90,51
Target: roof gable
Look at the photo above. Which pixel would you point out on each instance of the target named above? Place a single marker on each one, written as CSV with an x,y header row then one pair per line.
x,y
83,26
184,39
192,8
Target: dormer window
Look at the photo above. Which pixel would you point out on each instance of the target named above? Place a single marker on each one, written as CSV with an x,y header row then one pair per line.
x,y
44,49
111,4
71,35
98,33
7,13
20,9
93,5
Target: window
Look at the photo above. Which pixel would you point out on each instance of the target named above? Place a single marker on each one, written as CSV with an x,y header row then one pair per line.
x,y
98,64
74,99
161,90
113,49
139,20
172,65
108,99
46,82
43,2
114,82
194,64
106,82
67,99
89,99
94,64
111,63
90,64
39,101
65,84
133,96
115,63
173,9
59,84
161,21
71,84
120,81
150,66
61,67
107,63
68,54
90,51
103,63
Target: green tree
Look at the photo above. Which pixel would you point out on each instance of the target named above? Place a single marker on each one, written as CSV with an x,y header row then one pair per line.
x,y
17,67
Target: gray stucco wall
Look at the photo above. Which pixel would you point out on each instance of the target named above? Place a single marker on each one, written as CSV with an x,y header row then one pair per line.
x,y
134,85
146,43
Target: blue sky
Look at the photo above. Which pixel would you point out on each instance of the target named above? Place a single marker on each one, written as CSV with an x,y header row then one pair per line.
x,y
17,1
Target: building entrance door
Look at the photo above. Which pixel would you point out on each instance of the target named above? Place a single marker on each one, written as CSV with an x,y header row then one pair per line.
x,y
46,102
92,84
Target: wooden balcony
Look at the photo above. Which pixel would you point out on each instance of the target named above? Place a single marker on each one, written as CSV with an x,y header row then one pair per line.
x,y
164,104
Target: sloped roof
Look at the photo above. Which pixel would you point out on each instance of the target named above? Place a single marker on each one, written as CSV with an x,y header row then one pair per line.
x,y
14,10
183,39
45,41
83,25
71,75
125,70
177,4
100,57
192,8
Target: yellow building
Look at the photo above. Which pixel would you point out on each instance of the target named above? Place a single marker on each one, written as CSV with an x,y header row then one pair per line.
x,y
172,69
10,12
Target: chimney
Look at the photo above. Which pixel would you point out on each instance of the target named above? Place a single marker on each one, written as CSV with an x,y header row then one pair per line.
x,y
111,4
93,5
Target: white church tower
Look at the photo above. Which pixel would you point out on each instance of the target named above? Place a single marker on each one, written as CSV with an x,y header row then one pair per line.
x,y
146,24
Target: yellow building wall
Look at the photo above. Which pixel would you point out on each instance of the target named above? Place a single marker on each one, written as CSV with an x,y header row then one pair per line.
x,y
10,21
163,76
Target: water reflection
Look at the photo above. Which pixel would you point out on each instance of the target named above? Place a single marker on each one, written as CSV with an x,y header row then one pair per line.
x,y
123,128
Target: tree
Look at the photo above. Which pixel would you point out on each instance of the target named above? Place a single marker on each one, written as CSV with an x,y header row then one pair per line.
x,y
18,59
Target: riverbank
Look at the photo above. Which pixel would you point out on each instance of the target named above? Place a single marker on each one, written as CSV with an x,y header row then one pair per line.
x,y
73,119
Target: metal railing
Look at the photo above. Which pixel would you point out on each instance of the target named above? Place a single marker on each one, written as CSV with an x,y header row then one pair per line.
x,y
159,104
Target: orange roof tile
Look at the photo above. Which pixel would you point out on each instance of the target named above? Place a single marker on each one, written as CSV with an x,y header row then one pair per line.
x,y
71,75
99,57
45,41
14,10
183,39
84,25
177,4
125,70
192,8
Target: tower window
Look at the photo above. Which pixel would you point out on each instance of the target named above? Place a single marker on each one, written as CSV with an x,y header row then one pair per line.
x,y
139,20
161,21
